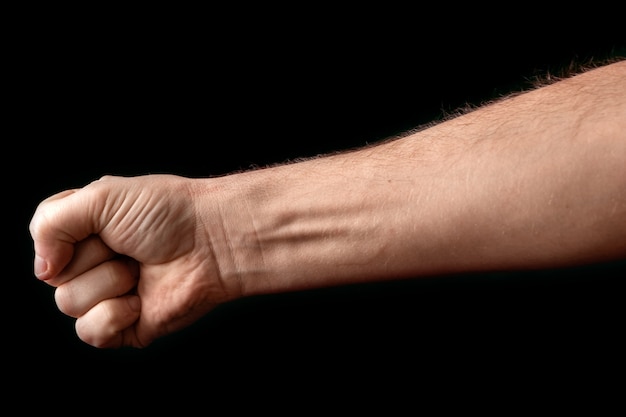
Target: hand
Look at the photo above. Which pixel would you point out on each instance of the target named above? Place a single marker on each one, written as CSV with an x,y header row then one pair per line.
x,y
127,257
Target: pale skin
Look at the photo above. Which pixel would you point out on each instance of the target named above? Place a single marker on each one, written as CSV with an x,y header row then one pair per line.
x,y
536,180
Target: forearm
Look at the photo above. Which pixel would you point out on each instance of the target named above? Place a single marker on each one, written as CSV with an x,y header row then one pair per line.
x,y
536,180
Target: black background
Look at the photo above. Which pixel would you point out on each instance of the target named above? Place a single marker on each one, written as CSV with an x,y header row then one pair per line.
x,y
202,94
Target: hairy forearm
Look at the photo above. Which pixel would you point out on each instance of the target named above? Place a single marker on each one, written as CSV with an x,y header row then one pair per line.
x,y
535,180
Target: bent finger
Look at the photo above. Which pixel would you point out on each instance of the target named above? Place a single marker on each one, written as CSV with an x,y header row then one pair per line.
x,y
59,222
109,324
108,280
88,254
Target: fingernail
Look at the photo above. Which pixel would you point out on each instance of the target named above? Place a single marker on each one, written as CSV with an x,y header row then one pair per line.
x,y
41,267
134,302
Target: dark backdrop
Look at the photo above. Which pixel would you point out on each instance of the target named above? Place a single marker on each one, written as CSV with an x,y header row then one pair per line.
x,y
201,99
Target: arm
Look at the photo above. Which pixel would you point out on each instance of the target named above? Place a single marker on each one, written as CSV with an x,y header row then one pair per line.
x,y
537,180
532,181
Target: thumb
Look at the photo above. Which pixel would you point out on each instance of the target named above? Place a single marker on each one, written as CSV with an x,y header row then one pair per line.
x,y
57,224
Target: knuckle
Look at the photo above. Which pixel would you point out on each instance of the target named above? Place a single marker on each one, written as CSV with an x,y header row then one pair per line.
x,y
90,334
104,324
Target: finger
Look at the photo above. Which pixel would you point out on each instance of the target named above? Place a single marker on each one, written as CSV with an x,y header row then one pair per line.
x,y
107,280
58,223
108,324
61,194
87,254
